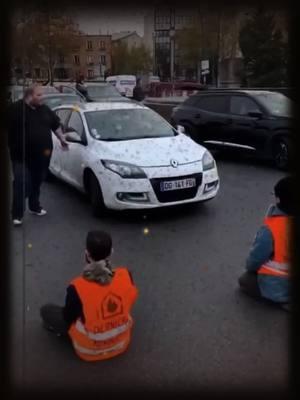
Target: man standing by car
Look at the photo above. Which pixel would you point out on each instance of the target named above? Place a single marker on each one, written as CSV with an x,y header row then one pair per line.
x,y
268,264
138,93
30,146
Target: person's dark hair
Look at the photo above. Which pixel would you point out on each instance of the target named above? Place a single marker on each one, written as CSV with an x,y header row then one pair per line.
x,y
283,190
99,245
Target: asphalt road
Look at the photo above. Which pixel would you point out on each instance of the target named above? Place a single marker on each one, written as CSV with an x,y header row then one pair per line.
x,y
193,328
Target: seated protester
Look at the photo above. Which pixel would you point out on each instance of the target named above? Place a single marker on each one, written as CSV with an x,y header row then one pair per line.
x,y
96,315
268,264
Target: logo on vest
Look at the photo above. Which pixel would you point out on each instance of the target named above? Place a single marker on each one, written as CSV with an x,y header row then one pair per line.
x,y
111,306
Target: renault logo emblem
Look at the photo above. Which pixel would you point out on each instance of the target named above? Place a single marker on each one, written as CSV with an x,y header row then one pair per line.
x,y
174,163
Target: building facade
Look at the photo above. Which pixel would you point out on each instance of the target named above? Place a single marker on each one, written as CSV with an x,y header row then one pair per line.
x,y
91,57
131,39
162,26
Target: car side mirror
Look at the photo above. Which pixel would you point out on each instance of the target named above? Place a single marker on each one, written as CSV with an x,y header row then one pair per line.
x,y
255,114
181,129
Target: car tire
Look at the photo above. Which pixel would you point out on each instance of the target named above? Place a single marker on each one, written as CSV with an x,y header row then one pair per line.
x,y
96,196
282,153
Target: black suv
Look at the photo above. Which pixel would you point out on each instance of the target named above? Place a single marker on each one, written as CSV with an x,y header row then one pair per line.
x,y
254,120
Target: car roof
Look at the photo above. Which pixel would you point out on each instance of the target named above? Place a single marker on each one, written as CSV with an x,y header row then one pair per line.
x,y
99,84
49,95
231,91
106,106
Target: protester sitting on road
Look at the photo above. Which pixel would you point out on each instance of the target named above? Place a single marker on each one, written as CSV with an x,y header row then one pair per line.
x,y
96,315
268,264
138,93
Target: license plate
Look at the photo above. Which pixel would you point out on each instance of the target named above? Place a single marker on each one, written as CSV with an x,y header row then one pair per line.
x,y
177,185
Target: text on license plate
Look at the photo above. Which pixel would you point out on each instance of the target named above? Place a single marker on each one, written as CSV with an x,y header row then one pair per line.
x,y
177,185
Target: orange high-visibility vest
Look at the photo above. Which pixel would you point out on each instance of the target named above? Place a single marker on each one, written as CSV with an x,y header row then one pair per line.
x,y
279,264
107,329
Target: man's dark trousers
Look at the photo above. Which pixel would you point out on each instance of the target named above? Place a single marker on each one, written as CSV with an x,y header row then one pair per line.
x,y
28,178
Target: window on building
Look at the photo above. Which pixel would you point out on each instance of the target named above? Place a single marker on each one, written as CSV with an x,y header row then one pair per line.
x,y
90,59
76,60
89,45
102,45
103,60
61,59
90,73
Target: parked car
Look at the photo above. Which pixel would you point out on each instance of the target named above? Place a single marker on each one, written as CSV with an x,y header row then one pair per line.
x,y
57,99
256,121
126,156
123,83
103,91
17,91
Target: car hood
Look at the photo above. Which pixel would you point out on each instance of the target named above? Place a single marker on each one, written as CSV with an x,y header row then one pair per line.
x,y
156,152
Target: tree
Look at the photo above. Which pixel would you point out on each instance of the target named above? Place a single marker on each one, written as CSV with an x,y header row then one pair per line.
x,y
135,60
198,42
42,39
264,50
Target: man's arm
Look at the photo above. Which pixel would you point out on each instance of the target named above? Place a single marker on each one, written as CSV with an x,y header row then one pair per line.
x,y
261,250
56,128
73,306
61,137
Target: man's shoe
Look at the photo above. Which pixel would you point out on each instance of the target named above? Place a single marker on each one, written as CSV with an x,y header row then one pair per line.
x,y
17,222
41,212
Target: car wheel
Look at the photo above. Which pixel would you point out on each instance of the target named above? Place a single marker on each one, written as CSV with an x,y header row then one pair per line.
x,y
96,196
282,153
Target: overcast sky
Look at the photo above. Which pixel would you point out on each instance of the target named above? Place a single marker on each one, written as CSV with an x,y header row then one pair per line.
x,y
110,21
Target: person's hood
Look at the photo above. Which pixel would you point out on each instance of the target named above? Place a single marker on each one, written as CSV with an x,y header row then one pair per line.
x,y
99,272
274,211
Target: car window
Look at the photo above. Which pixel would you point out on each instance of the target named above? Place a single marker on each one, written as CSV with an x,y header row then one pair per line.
x,y
63,115
242,105
216,104
61,100
128,124
75,122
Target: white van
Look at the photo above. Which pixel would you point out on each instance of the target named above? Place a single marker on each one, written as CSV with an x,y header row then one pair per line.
x,y
124,83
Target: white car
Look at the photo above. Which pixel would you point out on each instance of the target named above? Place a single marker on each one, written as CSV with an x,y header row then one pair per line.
x,y
126,156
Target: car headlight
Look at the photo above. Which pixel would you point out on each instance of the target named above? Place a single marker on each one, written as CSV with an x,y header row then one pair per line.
x,y
208,161
125,170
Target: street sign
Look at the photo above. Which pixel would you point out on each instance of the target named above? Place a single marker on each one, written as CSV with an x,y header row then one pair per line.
x,y
205,72
204,64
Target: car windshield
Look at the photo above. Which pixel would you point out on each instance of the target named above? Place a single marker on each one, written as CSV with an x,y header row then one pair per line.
x,y
276,103
102,91
55,101
130,124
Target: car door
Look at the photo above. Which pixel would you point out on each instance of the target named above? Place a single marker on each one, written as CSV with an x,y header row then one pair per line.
x,y
247,130
74,157
58,152
211,117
